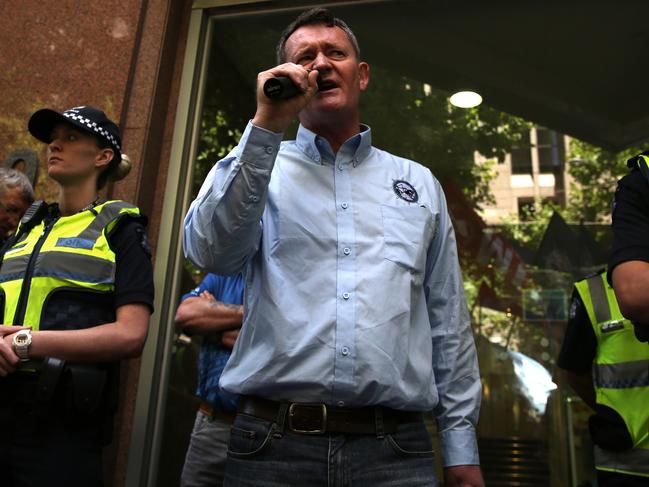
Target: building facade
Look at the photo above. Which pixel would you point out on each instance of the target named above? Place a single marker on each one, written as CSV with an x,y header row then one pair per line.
x,y
123,56
535,171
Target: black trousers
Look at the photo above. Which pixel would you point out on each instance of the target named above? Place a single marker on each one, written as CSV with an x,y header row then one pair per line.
x,y
48,447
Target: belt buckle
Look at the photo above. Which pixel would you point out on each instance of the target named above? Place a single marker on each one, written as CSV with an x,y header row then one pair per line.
x,y
291,412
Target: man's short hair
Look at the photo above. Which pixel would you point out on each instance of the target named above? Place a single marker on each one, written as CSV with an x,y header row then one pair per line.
x,y
12,178
314,16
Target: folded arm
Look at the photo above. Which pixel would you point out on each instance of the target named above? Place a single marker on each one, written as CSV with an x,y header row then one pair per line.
x,y
203,315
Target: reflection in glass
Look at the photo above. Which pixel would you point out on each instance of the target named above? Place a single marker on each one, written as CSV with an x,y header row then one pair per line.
x,y
535,381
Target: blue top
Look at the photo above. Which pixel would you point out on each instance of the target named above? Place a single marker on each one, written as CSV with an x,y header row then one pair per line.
x,y
354,295
213,357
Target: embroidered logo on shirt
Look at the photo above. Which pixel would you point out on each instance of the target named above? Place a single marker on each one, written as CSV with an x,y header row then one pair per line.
x,y
405,191
612,326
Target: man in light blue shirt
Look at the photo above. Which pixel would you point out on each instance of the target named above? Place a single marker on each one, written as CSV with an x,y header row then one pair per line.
x,y
357,320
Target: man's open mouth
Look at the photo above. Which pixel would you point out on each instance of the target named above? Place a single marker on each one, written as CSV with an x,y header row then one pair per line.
x,y
326,85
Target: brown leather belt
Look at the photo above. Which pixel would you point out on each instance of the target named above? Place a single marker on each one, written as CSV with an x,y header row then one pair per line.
x,y
209,411
317,419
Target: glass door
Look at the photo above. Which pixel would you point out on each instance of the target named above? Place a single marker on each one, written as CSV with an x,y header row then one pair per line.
x,y
509,224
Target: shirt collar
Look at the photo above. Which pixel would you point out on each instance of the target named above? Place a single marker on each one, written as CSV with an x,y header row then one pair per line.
x,y
318,149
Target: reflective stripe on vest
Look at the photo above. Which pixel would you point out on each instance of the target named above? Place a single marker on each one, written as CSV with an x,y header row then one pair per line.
x,y
86,268
620,374
599,300
74,254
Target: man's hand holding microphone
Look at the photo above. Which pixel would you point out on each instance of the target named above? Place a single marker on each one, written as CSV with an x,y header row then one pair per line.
x,y
276,114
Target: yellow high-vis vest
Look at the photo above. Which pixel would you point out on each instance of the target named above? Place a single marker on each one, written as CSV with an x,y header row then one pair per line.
x,y
68,254
620,376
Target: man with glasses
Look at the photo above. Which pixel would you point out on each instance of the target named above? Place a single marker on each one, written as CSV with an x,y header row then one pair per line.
x,y
16,195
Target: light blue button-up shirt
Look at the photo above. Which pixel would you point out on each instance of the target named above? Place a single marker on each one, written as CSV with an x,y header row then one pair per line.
x,y
354,295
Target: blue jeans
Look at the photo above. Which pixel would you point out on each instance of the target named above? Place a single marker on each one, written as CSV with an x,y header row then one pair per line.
x,y
205,459
259,454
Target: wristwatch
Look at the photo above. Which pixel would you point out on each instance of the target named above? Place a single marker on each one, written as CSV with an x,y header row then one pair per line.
x,y
22,341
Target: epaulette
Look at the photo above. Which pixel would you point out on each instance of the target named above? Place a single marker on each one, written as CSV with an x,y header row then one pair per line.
x,y
641,162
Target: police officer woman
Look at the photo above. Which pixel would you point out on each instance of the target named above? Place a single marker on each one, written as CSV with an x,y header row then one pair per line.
x,y
76,292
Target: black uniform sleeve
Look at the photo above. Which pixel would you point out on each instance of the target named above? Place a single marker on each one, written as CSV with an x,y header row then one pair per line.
x,y
579,342
134,272
630,221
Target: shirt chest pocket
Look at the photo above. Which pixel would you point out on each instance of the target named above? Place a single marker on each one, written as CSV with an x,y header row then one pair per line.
x,y
407,231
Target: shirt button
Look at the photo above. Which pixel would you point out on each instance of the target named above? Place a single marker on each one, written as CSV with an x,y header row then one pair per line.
x,y
344,351
347,251
254,198
340,167
268,149
344,206
341,403
345,295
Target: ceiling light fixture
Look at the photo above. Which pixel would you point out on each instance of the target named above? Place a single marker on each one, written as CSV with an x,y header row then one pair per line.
x,y
465,99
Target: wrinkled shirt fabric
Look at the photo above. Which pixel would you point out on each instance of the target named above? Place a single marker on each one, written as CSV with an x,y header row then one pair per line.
x,y
354,295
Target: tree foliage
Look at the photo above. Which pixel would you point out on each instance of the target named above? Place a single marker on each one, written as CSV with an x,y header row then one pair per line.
x,y
595,172
413,120
528,227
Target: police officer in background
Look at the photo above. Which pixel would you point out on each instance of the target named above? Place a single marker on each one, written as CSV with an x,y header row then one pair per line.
x,y
76,287
629,259
607,367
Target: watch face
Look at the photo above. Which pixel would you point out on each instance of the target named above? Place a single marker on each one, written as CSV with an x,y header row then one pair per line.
x,y
21,342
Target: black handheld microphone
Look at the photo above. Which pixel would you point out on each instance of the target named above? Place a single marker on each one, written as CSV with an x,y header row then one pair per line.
x,y
280,88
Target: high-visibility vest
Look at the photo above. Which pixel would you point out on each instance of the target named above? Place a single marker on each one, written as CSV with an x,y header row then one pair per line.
x,y
620,375
70,253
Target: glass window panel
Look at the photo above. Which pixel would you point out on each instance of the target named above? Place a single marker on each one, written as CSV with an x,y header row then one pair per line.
x,y
521,160
550,149
518,290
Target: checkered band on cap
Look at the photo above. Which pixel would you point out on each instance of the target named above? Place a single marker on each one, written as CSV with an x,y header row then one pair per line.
x,y
86,118
92,126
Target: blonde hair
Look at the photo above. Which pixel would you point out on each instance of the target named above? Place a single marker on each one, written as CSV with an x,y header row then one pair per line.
x,y
115,171
121,170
